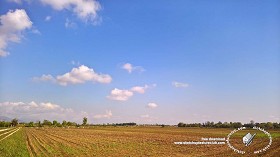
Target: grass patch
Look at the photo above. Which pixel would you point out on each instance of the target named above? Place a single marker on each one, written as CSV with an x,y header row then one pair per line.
x,y
14,145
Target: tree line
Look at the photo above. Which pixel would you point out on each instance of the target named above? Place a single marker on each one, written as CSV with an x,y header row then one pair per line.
x,y
55,123
208,124
13,122
45,122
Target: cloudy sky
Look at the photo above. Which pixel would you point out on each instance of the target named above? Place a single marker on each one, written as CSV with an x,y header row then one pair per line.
x,y
140,61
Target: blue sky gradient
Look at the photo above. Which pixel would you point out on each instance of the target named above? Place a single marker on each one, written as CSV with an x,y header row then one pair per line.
x,y
225,52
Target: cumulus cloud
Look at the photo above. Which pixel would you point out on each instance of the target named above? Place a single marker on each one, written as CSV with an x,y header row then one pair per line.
x,y
120,95
108,114
152,105
84,9
48,18
139,89
130,68
123,94
180,84
44,78
78,75
13,24
35,111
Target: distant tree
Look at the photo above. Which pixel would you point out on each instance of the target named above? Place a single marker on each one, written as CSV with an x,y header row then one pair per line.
x,y
181,124
71,124
124,124
225,125
14,122
84,120
252,122
206,124
269,125
219,124
4,124
236,124
30,124
55,123
262,125
47,122
276,125
39,124
64,123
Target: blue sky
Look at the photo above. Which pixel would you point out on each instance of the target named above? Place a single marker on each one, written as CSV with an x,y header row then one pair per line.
x,y
140,61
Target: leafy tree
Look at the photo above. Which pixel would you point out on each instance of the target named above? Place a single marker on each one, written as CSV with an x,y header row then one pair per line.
x,y
219,124
276,125
14,122
71,124
262,125
64,123
226,125
252,122
30,124
236,124
269,125
181,124
84,120
55,123
39,124
47,122
4,124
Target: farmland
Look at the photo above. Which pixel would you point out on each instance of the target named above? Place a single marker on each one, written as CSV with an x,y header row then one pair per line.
x,y
119,141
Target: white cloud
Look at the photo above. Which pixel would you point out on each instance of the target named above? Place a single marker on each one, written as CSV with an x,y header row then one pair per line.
x,y
75,63
108,114
139,89
44,78
70,24
35,111
120,95
123,95
84,9
13,24
78,75
81,75
152,105
180,84
130,68
48,18
36,31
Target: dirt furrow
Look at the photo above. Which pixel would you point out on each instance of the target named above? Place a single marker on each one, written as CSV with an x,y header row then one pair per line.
x,y
52,142
31,148
42,149
74,141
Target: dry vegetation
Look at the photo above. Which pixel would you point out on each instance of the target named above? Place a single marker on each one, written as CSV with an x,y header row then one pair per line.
x,y
124,141
129,141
